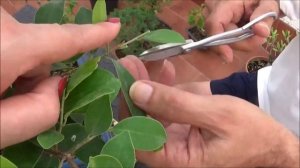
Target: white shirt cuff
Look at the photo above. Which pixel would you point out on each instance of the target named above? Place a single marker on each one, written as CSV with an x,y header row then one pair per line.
x,y
262,88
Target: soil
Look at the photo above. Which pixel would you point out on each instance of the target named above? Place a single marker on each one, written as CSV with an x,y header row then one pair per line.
x,y
196,34
255,65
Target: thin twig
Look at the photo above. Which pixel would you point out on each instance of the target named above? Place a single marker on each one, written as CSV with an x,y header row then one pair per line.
x,y
122,45
61,162
81,144
62,111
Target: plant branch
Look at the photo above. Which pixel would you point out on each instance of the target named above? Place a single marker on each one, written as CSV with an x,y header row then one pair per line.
x,y
70,160
122,45
81,144
61,118
61,162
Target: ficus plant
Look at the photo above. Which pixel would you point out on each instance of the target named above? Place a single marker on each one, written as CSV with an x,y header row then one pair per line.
x,y
86,107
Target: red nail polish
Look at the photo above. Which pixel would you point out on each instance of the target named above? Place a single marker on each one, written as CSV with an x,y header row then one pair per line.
x,y
61,86
113,20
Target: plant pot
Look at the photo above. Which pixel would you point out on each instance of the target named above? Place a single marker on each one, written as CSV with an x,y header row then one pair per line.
x,y
256,63
195,34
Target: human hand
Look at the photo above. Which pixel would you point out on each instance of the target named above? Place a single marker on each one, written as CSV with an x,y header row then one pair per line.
x,y
227,15
213,131
165,74
27,51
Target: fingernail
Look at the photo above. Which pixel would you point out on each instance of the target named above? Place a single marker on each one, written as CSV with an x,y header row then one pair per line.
x,y
113,20
265,26
61,86
140,92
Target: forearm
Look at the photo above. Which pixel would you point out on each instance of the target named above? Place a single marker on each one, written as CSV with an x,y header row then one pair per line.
x,y
290,156
288,153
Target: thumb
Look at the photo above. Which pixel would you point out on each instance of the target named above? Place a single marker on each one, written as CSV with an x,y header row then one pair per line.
x,y
175,105
25,116
263,28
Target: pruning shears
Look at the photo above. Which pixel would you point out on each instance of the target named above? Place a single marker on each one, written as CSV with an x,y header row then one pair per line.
x,y
173,49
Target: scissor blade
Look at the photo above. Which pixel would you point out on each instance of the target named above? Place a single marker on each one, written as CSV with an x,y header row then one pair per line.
x,y
162,54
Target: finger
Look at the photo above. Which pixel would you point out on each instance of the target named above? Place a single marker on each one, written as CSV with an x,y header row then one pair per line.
x,y
195,146
60,42
248,44
167,73
25,116
263,28
216,23
135,67
28,81
178,106
199,88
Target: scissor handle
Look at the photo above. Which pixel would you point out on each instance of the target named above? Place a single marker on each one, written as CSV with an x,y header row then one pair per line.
x,y
229,36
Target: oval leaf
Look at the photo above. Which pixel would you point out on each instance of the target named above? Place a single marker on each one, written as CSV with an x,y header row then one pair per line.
x,y
164,36
104,161
121,148
5,163
49,138
47,160
99,12
84,16
126,81
93,148
146,133
74,134
82,73
98,84
98,116
25,154
51,12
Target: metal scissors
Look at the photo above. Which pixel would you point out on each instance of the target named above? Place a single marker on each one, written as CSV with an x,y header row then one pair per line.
x,y
172,49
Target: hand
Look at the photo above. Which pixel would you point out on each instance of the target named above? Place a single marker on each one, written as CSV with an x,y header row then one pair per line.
x,y
27,51
213,131
165,73
227,15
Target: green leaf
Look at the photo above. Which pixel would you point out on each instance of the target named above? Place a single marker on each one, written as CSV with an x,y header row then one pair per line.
x,y
126,81
24,154
82,73
49,138
99,12
164,36
121,148
98,116
146,133
92,148
104,161
51,12
77,117
74,134
5,163
58,66
84,16
98,84
47,160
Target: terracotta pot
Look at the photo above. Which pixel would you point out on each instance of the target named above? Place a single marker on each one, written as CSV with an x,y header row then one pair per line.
x,y
259,61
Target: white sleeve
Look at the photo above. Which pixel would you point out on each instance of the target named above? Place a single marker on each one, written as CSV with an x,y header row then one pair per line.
x,y
291,8
262,91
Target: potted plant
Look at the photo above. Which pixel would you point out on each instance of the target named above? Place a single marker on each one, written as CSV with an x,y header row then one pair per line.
x,y
273,46
137,20
86,112
196,20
